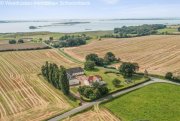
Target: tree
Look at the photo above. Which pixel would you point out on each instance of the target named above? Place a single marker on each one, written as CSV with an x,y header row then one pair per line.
x,y
94,91
179,29
92,57
100,62
12,41
116,82
127,69
89,65
51,38
146,74
88,92
20,41
109,57
103,90
169,75
63,79
40,39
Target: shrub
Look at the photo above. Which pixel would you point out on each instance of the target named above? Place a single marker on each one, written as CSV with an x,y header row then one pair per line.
x,y
20,41
116,82
93,92
169,75
110,57
12,41
89,65
179,29
128,69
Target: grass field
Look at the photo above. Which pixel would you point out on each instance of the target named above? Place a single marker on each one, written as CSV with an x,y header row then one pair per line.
x,y
158,54
96,114
25,95
46,35
156,102
169,30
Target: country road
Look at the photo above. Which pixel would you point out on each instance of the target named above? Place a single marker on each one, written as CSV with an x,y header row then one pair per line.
x,y
109,97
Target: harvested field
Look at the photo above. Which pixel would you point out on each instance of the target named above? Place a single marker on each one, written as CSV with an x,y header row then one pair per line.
x,y
158,54
24,95
25,46
94,115
4,41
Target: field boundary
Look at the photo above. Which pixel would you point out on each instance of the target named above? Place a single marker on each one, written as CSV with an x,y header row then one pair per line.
x,y
23,47
64,54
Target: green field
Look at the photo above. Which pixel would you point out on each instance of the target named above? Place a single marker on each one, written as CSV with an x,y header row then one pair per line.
x,y
169,30
157,102
110,76
46,35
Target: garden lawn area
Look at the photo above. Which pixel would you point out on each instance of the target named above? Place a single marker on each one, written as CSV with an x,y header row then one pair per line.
x,y
74,89
108,78
156,102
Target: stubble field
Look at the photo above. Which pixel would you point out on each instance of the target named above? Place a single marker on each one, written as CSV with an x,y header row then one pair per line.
x,y
25,95
158,54
95,114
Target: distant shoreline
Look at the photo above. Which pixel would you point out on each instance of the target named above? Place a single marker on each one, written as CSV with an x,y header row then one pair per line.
x,y
75,20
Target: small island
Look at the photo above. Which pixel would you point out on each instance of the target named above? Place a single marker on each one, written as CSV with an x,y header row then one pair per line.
x,y
32,27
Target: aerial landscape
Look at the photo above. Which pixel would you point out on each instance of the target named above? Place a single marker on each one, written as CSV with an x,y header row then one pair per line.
x,y
87,60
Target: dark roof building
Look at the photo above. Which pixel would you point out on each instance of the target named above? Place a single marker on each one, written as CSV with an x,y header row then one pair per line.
x,y
74,72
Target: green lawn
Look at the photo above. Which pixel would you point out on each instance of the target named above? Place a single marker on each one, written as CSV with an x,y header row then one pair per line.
x,y
110,76
169,30
156,102
74,90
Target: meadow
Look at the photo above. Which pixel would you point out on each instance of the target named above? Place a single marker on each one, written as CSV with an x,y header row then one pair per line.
x,y
24,93
156,53
156,102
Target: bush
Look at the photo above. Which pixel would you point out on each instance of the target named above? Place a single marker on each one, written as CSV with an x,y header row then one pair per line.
x,y
110,57
179,29
107,72
177,79
116,82
93,92
20,41
12,41
169,75
128,69
70,41
89,65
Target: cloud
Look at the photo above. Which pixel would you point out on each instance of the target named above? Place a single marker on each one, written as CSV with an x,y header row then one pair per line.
x,y
111,1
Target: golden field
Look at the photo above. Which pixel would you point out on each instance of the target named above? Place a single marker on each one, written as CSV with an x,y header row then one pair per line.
x,y
157,53
25,95
94,115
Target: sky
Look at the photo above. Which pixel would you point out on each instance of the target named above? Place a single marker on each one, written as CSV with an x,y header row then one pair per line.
x,y
88,9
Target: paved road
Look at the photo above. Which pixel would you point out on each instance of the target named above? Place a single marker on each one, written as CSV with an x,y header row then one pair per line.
x,y
87,105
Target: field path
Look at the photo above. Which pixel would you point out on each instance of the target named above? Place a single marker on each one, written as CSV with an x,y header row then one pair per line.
x,y
109,97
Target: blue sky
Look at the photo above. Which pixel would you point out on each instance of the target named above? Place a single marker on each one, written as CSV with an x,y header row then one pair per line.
x,y
97,9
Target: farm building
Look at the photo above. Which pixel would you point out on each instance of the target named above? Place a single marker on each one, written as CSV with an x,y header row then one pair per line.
x,y
72,73
77,76
96,78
